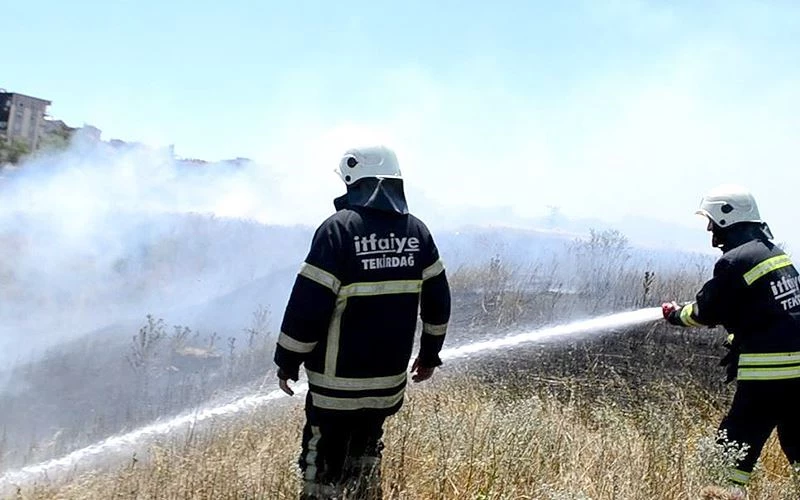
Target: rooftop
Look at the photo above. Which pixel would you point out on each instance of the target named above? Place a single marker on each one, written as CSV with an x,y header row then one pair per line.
x,y
3,91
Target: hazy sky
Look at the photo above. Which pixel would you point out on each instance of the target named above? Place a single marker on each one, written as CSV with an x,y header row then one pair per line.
x,y
602,108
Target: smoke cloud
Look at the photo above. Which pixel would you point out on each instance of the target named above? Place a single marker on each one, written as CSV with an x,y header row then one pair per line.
x,y
103,233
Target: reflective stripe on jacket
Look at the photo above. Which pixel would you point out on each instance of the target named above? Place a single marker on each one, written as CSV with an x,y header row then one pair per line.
x,y
352,315
755,295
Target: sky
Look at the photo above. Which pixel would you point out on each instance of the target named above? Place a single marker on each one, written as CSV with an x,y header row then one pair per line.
x,y
607,109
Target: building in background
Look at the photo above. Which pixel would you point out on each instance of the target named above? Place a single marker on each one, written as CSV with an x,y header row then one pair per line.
x,y
22,118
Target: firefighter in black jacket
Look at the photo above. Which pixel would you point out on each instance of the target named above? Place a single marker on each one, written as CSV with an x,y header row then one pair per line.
x,y
755,295
372,270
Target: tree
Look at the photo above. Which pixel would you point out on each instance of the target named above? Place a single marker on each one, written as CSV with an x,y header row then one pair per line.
x,y
12,152
601,266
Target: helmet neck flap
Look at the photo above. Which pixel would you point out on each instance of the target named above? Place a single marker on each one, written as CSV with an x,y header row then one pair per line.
x,y
380,194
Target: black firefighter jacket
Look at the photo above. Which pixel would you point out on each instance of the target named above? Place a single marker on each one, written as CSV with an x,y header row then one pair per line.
x,y
754,294
352,313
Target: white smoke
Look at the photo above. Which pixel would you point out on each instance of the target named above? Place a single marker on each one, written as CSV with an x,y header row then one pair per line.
x,y
107,232
102,232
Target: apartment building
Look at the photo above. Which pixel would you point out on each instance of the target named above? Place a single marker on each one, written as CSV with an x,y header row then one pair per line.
x,y
22,118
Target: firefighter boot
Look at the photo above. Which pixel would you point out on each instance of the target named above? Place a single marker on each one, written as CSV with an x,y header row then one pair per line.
x,y
365,479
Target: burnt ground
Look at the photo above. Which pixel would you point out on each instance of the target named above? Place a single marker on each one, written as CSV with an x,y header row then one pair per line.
x,y
624,365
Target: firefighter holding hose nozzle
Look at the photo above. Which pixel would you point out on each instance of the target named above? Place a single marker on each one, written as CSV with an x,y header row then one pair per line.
x,y
755,295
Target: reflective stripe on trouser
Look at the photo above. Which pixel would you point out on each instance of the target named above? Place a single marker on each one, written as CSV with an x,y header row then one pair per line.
x,y
738,476
310,473
341,452
769,366
388,401
757,409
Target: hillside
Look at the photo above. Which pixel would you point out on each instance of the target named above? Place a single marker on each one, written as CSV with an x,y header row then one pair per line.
x,y
122,309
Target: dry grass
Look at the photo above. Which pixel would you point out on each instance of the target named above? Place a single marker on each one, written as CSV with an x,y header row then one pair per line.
x,y
457,439
628,416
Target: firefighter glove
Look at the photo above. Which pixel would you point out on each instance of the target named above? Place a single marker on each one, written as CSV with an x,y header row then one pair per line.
x,y
667,308
284,375
731,360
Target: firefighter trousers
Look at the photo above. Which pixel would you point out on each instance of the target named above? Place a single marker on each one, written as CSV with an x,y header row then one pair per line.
x,y
341,455
758,408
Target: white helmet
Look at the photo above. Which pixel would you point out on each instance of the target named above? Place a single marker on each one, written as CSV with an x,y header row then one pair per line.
x,y
371,161
729,204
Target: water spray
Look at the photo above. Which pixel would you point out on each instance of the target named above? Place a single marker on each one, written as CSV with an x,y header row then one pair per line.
x,y
602,323
99,453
